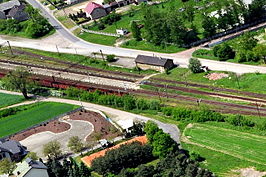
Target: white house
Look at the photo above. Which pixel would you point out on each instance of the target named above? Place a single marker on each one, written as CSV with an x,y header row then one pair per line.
x,y
31,168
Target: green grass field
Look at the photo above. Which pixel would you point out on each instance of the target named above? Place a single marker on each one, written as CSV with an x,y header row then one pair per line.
x,y
34,115
245,146
253,82
98,39
8,99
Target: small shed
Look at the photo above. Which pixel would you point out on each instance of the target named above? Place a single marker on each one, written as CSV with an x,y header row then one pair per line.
x,y
155,63
121,31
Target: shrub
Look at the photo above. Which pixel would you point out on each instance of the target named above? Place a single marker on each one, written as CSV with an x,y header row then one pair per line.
x,y
195,65
223,52
240,120
110,58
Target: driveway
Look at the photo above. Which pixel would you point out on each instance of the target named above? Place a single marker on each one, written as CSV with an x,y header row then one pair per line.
x,y
79,128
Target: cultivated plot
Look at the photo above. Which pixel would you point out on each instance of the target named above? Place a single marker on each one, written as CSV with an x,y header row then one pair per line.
x,y
8,99
245,146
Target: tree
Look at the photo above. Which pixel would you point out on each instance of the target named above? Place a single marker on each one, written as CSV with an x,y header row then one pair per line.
x,y
6,166
18,80
135,31
195,65
224,52
52,149
260,51
32,155
75,144
247,41
84,171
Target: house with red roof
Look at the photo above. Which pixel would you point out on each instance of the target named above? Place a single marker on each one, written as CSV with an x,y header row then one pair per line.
x,y
95,11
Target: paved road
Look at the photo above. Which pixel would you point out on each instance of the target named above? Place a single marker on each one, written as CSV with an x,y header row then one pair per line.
x,y
86,48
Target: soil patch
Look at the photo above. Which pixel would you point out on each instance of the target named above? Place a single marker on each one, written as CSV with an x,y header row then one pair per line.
x,y
250,172
103,129
55,126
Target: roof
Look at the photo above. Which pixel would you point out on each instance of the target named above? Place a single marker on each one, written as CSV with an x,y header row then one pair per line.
x,y
24,167
91,6
2,15
11,146
125,124
158,61
17,13
8,5
88,159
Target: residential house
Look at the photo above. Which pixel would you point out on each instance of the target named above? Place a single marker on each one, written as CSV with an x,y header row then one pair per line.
x,y
13,10
31,168
95,11
12,150
154,63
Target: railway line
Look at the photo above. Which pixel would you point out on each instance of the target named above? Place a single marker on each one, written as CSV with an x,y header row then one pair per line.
x,y
224,107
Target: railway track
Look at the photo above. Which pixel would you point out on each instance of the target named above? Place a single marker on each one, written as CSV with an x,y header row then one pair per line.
x,y
221,106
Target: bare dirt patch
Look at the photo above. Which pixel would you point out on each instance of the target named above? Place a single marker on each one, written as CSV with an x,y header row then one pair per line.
x,y
216,76
250,172
103,129
55,126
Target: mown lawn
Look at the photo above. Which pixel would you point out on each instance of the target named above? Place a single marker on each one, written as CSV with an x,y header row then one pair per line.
x,y
8,99
253,82
98,39
34,115
245,146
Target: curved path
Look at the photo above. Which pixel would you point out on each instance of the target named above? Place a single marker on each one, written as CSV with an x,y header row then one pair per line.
x,y
78,128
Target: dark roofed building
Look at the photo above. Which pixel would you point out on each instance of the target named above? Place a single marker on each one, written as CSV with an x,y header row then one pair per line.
x,y
18,13
155,63
12,150
2,15
6,6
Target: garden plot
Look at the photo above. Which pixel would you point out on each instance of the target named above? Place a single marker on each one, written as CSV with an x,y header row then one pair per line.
x,y
244,146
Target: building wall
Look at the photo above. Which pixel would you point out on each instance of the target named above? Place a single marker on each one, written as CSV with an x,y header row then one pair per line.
x,y
4,155
37,173
146,67
98,13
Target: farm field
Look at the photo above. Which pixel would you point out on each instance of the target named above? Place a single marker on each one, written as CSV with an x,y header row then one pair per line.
x,y
34,115
245,146
8,99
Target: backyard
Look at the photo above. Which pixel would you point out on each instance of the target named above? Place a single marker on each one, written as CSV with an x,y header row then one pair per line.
x,y
32,115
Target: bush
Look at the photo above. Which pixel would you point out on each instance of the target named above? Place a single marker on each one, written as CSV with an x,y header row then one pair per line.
x,y
240,120
195,65
223,52
110,58
111,18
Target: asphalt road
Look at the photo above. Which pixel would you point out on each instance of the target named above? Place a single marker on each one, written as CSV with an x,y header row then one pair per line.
x,y
86,48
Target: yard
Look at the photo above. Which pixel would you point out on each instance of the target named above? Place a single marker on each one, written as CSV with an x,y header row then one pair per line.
x,y
8,99
35,114
245,146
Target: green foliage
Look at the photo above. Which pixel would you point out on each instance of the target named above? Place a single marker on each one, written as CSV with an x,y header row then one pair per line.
x,y
223,52
75,144
136,130
135,31
7,167
18,80
32,155
52,149
162,144
111,18
110,58
247,41
209,26
195,65
127,156
239,120
126,102
260,52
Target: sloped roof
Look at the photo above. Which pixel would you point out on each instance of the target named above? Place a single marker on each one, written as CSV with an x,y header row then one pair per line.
x,y
2,15
24,167
17,12
11,146
157,61
91,6
88,159
8,5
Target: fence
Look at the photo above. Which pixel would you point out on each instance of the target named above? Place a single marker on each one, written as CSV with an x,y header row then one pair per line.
x,y
102,33
231,31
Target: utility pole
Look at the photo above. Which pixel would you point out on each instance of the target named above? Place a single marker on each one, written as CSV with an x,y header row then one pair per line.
x,y
57,50
10,48
102,54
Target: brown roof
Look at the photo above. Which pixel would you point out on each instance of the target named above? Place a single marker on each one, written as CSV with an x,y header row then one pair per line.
x,y
157,61
88,159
